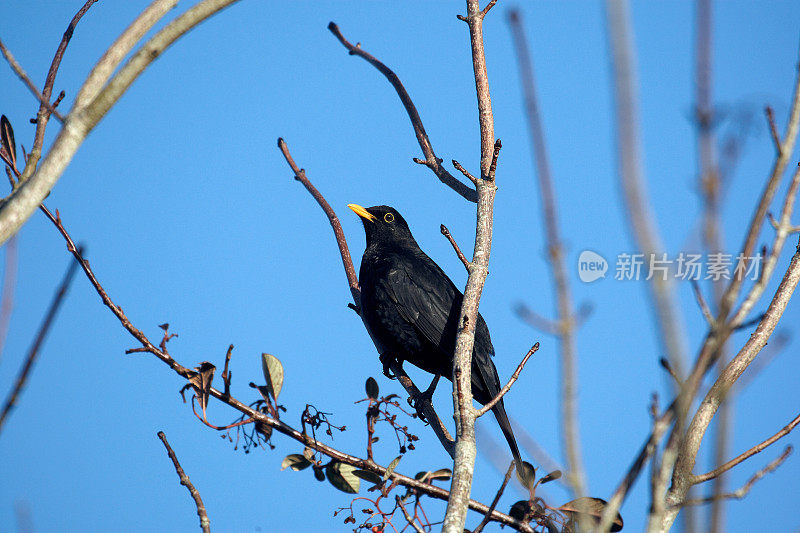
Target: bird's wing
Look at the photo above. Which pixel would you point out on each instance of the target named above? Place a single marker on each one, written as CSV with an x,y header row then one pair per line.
x,y
425,298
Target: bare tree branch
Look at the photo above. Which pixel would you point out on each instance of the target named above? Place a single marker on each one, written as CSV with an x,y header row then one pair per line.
x,y
464,463
205,523
681,477
486,407
744,489
431,161
50,316
781,161
19,206
570,435
749,453
632,180
120,48
497,496
701,301
20,72
344,251
454,244
782,230
9,282
43,116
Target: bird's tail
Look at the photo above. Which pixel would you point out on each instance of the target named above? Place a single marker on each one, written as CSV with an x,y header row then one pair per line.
x,y
499,411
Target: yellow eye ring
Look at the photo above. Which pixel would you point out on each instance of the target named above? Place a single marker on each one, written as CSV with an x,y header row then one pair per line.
x,y
388,217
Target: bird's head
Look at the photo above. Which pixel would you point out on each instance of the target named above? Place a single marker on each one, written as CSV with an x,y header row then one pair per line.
x,y
383,224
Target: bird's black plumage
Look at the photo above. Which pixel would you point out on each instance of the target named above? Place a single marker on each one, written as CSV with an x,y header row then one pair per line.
x,y
411,309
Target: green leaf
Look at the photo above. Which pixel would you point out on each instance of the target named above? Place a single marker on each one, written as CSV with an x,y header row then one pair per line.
x,y
372,388
342,477
366,475
273,373
296,462
392,466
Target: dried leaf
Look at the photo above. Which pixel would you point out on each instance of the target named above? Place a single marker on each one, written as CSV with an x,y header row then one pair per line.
x,y
342,477
552,476
308,453
264,429
366,475
7,138
526,474
319,474
201,381
372,388
273,373
391,467
295,461
591,507
442,473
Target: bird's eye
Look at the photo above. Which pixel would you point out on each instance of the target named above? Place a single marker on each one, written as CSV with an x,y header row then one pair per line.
x,y
388,217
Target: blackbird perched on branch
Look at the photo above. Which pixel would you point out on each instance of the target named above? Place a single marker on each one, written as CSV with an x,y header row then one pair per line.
x,y
411,310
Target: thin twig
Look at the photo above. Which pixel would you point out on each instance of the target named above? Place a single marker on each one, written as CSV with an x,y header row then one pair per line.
x,y
431,161
205,524
9,283
565,323
50,316
759,215
537,321
411,522
20,72
459,253
226,374
782,230
43,115
464,171
744,489
489,6
701,301
641,221
773,129
749,453
341,241
493,165
483,410
664,362
496,499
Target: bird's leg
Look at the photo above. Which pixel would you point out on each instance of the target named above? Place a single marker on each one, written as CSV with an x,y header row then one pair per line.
x,y
416,401
387,359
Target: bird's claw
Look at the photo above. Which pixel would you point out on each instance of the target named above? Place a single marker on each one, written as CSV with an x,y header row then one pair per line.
x,y
417,401
387,360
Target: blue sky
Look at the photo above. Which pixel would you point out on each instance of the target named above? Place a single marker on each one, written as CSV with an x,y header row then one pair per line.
x,y
190,216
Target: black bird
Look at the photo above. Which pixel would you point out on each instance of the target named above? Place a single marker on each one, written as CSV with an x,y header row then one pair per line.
x,y
411,309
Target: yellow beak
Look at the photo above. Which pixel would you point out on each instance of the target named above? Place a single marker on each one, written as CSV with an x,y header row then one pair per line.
x,y
363,213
